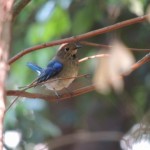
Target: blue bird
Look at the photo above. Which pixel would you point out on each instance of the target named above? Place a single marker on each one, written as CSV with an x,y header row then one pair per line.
x,y
60,71
63,65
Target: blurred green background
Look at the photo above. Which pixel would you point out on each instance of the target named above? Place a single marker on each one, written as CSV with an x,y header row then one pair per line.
x,y
38,121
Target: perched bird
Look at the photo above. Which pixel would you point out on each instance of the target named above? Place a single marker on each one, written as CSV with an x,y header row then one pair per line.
x,y
59,73
63,65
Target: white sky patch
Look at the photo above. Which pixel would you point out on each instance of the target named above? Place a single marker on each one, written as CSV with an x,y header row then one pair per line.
x,y
137,138
41,146
45,12
12,139
65,3
142,145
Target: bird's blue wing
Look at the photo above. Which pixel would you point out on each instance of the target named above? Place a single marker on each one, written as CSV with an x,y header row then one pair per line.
x,y
35,67
53,68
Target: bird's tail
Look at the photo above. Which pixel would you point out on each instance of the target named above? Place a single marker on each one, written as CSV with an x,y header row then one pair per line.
x,y
35,68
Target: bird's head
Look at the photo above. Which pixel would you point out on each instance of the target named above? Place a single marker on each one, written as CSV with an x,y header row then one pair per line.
x,y
68,50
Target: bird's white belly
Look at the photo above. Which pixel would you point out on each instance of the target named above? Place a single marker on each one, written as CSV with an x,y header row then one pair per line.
x,y
63,80
58,84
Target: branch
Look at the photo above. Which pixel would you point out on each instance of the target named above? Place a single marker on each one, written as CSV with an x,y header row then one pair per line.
x,y
77,92
80,37
109,46
49,97
141,62
84,136
92,57
18,6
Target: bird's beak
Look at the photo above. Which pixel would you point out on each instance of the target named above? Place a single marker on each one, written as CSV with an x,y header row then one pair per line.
x,y
78,45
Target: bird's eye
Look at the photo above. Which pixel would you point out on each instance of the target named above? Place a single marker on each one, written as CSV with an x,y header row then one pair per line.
x,y
67,48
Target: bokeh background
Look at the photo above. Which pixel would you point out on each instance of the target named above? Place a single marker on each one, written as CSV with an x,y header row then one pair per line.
x,y
34,124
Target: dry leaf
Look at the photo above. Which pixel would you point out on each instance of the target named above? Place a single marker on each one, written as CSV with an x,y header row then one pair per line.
x,y
136,7
109,71
121,58
101,78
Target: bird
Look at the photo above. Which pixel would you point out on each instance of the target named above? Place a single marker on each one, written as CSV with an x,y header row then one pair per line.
x,y
60,71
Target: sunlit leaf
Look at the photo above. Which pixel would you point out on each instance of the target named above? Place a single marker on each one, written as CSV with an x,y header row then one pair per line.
x,y
109,72
101,78
136,7
121,58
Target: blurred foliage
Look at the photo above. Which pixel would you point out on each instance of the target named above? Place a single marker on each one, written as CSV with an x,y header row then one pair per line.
x,y
42,21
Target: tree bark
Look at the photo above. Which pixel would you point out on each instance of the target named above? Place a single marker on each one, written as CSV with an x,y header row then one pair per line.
x,y
5,39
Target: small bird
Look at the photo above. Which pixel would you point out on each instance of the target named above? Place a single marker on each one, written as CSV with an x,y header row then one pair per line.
x,y
63,65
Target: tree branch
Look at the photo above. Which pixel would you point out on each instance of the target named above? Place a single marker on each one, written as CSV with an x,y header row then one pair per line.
x,y
109,46
18,6
80,37
84,136
141,62
49,97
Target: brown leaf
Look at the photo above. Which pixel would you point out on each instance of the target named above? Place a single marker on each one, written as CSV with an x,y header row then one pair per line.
x,y
101,77
109,70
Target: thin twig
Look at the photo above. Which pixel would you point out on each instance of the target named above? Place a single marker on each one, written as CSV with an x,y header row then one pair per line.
x,y
52,80
80,37
109,46
94,56
13,102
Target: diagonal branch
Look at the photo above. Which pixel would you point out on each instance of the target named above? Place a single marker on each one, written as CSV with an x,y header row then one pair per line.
x,y
75,93
18,6
141,62
80,37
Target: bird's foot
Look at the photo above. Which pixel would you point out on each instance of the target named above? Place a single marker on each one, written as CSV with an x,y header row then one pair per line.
x,y
57,95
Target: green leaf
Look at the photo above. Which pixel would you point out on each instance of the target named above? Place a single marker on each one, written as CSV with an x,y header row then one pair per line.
x,y
56,25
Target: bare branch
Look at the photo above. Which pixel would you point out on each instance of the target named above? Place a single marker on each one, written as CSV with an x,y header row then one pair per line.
x,y
49,97
18,6
141,62
109,46
84,136
94,56
80,37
